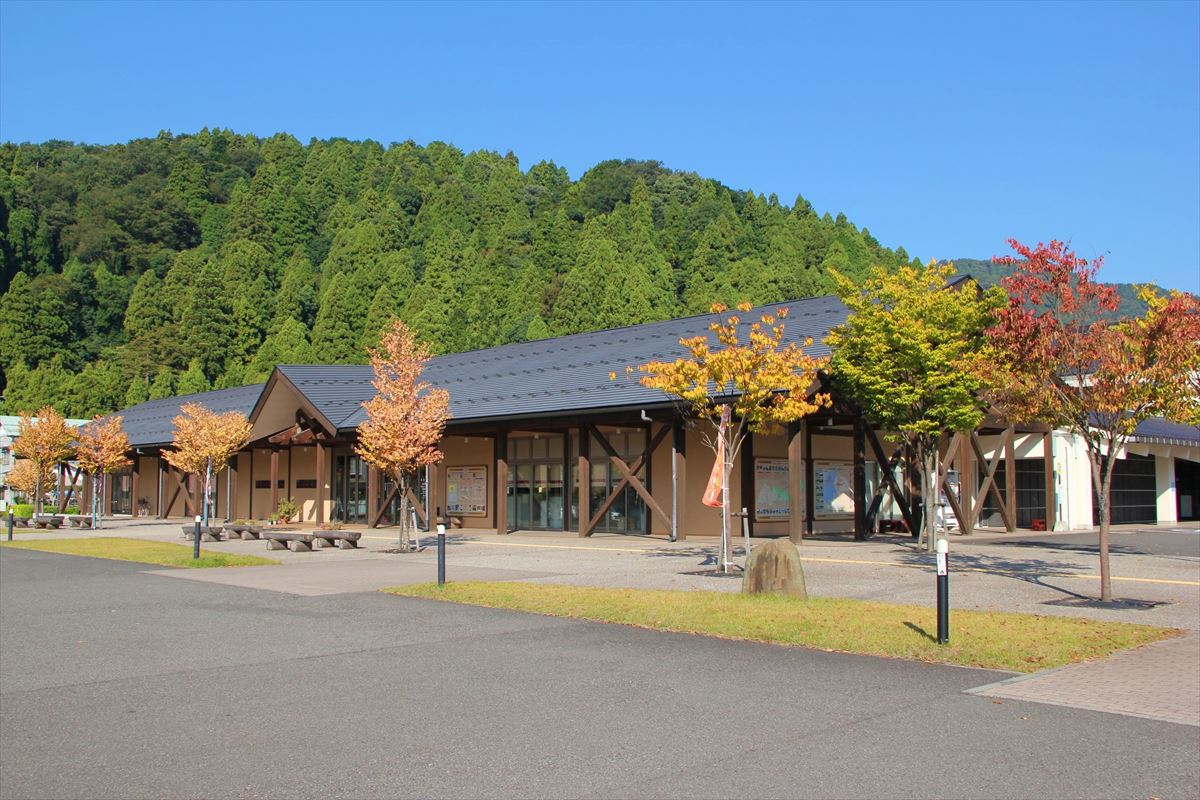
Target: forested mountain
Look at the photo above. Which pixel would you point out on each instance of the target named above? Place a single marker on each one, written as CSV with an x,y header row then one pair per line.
x,y
181,263
989,274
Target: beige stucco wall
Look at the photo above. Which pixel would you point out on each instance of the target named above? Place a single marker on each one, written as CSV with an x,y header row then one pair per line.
x,y
469,451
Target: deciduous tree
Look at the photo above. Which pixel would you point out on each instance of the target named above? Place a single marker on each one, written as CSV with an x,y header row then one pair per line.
x,y
739,386
100,448
204,442
1065,363
44,440
907,355
405,418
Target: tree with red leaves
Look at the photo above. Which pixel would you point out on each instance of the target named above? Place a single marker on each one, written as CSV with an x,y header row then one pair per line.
x,y
1066,363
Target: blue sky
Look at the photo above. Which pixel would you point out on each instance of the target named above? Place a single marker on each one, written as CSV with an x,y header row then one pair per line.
x,y
944,128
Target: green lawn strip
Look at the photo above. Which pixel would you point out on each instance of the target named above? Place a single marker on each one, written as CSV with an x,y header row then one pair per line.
x,y
988,639
163,554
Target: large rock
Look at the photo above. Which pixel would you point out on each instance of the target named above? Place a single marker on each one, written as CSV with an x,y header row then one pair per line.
x,y
774,568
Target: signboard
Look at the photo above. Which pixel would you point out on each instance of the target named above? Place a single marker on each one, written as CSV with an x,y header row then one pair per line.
x,y
833,489
771,501
466,491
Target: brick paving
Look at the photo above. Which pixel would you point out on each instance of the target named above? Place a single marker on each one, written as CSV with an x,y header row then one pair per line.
x,y
1160,681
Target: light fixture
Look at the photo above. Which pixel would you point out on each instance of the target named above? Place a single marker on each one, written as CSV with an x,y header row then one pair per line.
x,y
618,431
466,439
537,436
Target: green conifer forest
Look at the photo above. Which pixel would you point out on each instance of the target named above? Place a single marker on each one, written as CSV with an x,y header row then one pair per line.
x,y
184,263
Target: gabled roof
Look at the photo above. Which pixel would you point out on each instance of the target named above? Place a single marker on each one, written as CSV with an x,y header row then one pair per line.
x,y
567,373
150,423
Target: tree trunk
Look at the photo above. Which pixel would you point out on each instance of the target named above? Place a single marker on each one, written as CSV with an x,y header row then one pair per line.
x,y
37,497
929,490
1102,469
726,518
96,487
207,481
404,543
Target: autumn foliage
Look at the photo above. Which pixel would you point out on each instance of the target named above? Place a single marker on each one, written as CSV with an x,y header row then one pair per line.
x,y
100,447
44,440
25,477
205,441
405,418
1066,363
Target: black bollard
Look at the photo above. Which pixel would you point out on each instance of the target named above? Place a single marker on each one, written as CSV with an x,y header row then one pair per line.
x,y
10,524
943,591
196,544
441,536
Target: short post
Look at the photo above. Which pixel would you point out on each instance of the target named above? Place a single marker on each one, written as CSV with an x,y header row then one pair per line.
x,y
441,537
10,524
943,591
196,543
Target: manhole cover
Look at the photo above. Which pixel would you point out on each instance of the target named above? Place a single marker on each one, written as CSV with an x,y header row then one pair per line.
x,y
1116,605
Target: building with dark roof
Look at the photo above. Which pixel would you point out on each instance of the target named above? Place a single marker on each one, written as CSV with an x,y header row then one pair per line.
x,y
529,419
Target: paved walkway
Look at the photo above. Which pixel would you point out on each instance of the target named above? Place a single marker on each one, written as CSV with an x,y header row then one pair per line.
x,y
1160,681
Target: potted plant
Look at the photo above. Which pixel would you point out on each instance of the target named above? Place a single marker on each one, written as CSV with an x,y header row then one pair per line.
x,y
286,510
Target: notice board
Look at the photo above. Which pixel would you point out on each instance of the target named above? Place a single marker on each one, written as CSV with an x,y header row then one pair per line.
x,y
466,491
833,489
771,500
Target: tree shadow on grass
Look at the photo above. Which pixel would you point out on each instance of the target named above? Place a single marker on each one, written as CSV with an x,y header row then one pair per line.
x,y
1035,571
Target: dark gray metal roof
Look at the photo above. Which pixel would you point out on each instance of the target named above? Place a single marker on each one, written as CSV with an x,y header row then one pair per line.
x,y
550,376
1157,429
151,423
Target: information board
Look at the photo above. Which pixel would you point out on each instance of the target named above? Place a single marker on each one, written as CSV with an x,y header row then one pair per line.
x,y
466,491
771,501
833,489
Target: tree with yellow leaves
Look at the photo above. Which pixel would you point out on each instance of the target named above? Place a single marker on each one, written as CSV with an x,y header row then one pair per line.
x,y
45,440
739,387
25,477
204,442
405,418
100,448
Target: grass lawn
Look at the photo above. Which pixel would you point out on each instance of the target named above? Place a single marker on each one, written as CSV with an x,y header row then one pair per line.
x,y
164,554
994,640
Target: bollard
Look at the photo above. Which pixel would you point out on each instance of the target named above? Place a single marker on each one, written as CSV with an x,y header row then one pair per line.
x,y
943,591
10,524
196,544
441,536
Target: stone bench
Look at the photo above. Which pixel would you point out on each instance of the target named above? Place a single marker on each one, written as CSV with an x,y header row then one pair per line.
x,y
212,533
20,522
46,521
347,540
278,540
80,520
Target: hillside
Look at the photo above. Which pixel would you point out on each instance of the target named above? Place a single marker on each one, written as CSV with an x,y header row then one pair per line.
x,y
989,274
184,262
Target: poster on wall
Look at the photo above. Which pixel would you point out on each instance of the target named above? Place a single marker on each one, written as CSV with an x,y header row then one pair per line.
x,y
833,489
771,501
466,491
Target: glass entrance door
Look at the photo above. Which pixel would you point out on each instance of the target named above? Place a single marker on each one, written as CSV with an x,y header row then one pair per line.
x,y
536,491
349,488
122,492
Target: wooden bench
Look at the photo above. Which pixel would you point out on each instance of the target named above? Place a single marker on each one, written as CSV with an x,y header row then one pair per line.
x,y
212,533
80,520
347,540
244,531
46,521
278,540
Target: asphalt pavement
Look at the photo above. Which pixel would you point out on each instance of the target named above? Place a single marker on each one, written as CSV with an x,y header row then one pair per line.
x,y
119,683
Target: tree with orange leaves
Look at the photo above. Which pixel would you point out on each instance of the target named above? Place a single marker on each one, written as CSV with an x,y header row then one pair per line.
x,y
1065,363
100,448
24,477
405,418
738,387
204,442
45,440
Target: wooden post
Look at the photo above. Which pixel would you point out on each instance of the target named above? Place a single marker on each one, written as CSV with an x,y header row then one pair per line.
x,y
192,500
231,501
967,484
135,475
860,481
584,487
372,496
275,479
810,502
162,487
500,456
797,503
747,456
250,502
679,455
320,470
1010,476
1048,455
106,483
